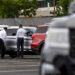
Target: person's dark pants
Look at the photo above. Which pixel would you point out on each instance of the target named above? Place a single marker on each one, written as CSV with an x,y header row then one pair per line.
x,y
20,44
2,48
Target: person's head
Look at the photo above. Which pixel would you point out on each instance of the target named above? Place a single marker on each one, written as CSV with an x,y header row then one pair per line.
x,y
20,26
5,28
71,9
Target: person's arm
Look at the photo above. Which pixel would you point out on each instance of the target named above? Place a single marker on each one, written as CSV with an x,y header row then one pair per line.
x,y
17,33
25,31
4,35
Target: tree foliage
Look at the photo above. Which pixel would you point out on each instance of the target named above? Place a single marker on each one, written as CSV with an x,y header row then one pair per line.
x,y
13,8
29,7
62,7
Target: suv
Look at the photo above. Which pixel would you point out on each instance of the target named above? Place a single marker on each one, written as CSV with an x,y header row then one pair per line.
x,y
38,38
58,54
11,42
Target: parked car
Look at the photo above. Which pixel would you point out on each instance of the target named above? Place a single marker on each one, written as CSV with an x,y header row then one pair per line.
x,y
38,38
11,42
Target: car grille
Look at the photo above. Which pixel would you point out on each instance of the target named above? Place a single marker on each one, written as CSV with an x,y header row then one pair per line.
x,y
72,42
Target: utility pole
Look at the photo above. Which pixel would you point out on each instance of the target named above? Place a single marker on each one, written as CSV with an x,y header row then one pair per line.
x,y
54,6
48,5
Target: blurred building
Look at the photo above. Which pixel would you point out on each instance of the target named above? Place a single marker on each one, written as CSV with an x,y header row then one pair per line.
x,y
44,3
45,7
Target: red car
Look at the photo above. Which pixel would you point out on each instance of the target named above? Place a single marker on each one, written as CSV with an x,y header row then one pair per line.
x,y
38,38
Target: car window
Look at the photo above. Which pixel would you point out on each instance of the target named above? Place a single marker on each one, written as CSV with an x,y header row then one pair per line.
x,y
41,29
11,32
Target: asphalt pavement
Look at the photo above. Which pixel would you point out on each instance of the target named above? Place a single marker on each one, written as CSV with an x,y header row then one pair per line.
x,y
27,66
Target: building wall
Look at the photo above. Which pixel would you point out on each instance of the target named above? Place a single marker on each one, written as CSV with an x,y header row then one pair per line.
x,y
25,21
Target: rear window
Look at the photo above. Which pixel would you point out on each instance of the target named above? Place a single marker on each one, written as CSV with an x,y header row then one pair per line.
x,y
11,32
41,29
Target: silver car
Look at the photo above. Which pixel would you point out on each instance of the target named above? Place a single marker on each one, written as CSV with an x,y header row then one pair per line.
x,y
11,42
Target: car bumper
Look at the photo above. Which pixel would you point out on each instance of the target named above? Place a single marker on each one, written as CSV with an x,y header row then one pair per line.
x,y
34,49
15,48
48,69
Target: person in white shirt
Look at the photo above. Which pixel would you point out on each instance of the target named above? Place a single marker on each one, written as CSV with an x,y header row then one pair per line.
x,y
3,36
20,40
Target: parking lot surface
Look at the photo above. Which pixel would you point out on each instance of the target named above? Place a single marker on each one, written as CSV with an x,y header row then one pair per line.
x,y
27,66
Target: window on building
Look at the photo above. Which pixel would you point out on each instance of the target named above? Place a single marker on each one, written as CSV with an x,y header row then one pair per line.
x,y
44,3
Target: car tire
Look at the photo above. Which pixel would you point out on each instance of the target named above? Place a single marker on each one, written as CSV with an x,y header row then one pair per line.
x,y
40,48
12,54
64,70
38,51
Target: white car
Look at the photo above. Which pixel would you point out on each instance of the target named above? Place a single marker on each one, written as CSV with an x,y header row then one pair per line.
x,y
11,42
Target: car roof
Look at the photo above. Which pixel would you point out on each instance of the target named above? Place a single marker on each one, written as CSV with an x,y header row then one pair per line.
x,y
4,25
16,27
59,22
45,25
25,27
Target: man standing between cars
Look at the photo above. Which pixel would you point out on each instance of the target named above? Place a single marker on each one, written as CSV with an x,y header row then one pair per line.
x,y
3,36
20,40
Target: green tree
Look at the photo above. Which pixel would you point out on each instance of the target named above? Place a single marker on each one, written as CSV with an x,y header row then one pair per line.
x,y
62,7
13,8
29,7
9,9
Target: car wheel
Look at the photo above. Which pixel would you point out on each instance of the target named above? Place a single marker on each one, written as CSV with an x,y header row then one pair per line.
x,y
64,70
12,54
38,51
40,48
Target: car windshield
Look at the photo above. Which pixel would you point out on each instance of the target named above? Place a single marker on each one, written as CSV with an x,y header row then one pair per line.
x,y
41,29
